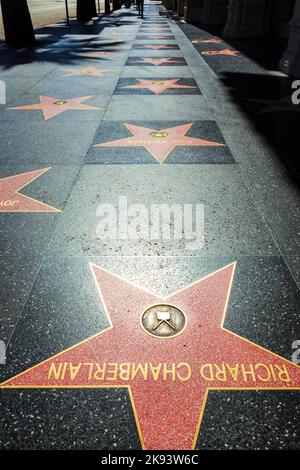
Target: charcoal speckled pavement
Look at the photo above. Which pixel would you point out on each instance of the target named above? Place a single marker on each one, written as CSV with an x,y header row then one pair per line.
x,y
150,247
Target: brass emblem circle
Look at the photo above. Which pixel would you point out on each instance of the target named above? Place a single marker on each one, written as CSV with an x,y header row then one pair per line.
x,y
159,134
86,72
60,102
163,321
157,83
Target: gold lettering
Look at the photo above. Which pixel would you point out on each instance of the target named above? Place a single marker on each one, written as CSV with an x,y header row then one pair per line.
x,y
100,372
124,371
171,372
283,373
247,373
90,367
155,370
233,371
74,370
8,202
220,373
143,368
113,370
64,370
53,370
209,377
266,378
188,375
273,373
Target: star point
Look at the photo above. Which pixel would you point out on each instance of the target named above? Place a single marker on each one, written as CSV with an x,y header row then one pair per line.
x,y
11,200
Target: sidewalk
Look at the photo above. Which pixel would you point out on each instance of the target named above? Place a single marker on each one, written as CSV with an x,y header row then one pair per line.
x,y
44,12
126,107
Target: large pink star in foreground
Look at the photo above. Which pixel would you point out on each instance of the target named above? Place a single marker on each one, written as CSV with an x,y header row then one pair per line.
x,y
223,52
160,143
168,379
51,107
157,86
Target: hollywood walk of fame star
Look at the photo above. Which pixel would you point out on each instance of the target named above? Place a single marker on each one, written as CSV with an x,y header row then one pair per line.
x,y
158,46
51,107
226,52
207,41
157,86
92,71
158,61
168,379
160,142
12,201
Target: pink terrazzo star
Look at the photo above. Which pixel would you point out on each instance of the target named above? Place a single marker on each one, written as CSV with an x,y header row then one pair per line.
x,y
11,200
226,52
51,107
158,61
160,143
86,71
158,86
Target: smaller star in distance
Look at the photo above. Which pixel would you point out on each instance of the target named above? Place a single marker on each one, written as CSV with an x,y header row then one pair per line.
x,y
158,86
227,52
158,61
207,41
51,107
86,71
160,142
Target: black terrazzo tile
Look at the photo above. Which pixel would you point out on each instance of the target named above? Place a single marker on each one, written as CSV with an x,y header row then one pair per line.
x,y
159,47
237,230
110,131
67,420
251,420
28,233
45,143
154,61
156,85
18,275
154,37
